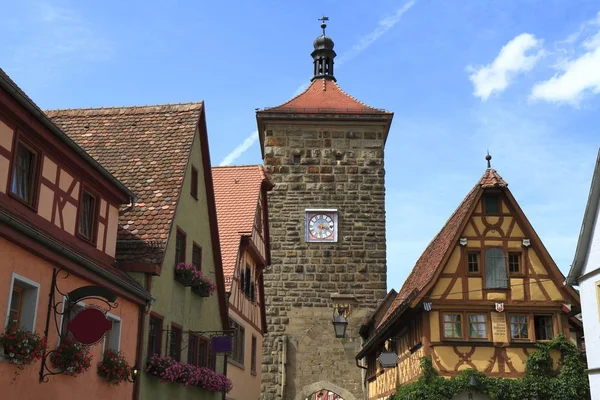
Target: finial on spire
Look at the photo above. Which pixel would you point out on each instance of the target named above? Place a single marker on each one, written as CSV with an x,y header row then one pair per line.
x,y
489,159
323,24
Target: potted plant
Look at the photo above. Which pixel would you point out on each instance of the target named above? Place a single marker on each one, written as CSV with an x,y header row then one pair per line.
x,y
184,273
161,367
71,357
113,368
21,347
202,285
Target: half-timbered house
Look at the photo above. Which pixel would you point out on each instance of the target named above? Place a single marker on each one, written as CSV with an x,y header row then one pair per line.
x,y
59,213
162,152
241,196
481,295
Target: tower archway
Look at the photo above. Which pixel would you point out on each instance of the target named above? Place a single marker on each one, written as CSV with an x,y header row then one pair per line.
x,y
308,390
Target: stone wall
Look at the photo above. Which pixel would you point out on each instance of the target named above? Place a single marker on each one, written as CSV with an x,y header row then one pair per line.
x,y
321,166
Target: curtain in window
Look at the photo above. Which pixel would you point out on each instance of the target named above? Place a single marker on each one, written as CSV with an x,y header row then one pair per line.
x,y
495,269
87,215
477,326
23,173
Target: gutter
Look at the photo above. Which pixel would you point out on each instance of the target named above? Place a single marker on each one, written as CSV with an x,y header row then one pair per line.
x,y
71,255
22,99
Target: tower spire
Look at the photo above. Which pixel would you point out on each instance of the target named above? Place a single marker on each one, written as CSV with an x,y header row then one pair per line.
x,y
323,54
488,158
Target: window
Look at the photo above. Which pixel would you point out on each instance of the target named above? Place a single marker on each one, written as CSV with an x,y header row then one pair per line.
x,y
192,357
495,269
180,247
155,335
87,215
175,343
252,292
296,159
238,342
491,203
514,263
248,280
453,326
194,188
22,302
253,359
473,262
543,327
24,173
519,327
477,326
242,280
112,338
202,352
197,256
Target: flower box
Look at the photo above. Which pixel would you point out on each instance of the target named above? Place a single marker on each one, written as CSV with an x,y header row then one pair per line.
x,y
171,371
114,368
184,273
21,347
189,275
71,357
201,291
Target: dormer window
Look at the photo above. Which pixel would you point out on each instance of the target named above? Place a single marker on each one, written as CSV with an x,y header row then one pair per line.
x,y
87,215
491,203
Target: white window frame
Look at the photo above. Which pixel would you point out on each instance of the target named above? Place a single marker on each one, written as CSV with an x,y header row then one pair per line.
x,y
32,297
116,323
79,304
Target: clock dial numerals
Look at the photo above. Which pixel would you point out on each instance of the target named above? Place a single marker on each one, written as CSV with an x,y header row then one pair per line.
x,y
321,226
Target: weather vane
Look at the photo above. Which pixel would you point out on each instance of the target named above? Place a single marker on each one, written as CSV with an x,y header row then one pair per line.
x,y
323,24
488,159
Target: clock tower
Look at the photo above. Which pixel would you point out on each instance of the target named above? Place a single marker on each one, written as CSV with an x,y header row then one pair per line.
x,y
324,151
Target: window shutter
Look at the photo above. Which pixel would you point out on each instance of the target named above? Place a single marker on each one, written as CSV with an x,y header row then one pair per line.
x,y
495,269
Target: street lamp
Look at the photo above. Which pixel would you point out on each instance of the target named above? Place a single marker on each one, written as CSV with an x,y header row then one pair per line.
x,y
339,322
135,372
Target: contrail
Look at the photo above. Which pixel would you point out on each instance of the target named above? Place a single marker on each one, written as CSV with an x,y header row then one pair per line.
x,y
384,25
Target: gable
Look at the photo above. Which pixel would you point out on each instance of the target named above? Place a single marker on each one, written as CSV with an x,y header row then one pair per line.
x,y
531,275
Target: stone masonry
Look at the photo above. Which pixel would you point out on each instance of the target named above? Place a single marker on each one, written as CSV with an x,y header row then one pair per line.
x,y
323,163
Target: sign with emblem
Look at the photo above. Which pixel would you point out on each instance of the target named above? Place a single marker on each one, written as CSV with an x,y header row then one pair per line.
x,y
499,307
89,326
427,306
388,359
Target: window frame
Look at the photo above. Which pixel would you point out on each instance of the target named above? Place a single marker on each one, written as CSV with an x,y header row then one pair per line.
x,y
519,254
19,289
486,196
181,232
194,184
203,357
485,270
443,325
249,281
197,247
551,316
94,237
238,345
177,355
193,349
476,252
253,355
116,326
159,335
530,337
19,140
487,323
33,299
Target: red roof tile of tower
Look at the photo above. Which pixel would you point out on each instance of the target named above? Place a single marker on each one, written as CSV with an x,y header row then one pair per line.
x,y
325,96
237,191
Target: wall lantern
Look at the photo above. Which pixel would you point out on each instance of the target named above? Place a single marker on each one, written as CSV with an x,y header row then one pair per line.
x,y
473,383
462,241
135,372
340,323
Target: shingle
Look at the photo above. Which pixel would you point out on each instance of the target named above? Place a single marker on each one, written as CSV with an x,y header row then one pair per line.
x,y
237,190
147,149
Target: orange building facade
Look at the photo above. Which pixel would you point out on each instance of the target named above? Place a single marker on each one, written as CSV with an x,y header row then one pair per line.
x,y
58,211
241,198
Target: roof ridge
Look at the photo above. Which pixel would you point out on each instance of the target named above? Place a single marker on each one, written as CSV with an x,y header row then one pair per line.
x,y
236,166
149,107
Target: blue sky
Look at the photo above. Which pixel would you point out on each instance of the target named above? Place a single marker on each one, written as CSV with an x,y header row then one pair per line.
x,y
518,77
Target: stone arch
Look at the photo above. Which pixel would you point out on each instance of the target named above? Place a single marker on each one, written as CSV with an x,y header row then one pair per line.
x,y
315,387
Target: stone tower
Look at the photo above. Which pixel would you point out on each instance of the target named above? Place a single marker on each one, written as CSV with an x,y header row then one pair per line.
x,y
324,151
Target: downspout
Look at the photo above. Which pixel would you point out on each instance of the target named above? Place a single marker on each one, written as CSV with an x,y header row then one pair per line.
x,y
140,338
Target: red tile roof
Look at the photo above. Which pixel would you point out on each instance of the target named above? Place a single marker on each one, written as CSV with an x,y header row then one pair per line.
x,y
237,190
431,259
147,149
325,96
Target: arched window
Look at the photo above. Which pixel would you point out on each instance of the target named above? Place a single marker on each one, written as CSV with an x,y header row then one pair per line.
x,y
495,269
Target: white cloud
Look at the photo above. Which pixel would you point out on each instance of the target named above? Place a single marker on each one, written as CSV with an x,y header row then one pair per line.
x,y
576,76
517,56
384,25
240,149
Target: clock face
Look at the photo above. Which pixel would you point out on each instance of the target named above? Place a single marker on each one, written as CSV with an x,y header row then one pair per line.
x,y
321,226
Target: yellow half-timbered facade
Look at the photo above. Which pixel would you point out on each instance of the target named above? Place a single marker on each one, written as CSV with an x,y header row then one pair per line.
x,y
481,295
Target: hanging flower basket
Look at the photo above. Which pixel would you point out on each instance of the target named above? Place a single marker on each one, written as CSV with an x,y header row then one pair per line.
x,y
21,347
71,357
114,368
202,285
184,273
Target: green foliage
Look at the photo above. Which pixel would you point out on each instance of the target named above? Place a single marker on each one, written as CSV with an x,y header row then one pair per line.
x,y
540,381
